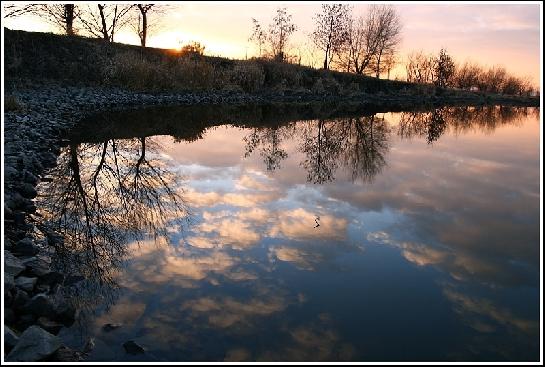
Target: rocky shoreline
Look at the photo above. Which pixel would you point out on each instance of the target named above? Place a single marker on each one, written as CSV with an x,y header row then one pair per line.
x,y
36,307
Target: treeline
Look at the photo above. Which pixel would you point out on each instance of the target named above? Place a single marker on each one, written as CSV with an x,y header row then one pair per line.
x,y
360,43
443,71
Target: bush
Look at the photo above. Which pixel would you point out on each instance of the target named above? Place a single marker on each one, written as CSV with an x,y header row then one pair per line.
x,y
11,103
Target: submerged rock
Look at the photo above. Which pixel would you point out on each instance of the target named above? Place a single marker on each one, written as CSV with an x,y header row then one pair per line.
x,y
49,325
109,327
65,354
132,348
34,344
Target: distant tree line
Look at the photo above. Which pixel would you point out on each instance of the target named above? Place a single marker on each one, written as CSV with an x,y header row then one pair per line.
x,y
443,71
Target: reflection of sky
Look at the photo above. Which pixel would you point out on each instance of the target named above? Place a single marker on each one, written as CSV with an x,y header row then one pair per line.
x,y
436,259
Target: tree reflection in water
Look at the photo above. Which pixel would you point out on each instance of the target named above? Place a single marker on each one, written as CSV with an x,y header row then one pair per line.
x,y
102,195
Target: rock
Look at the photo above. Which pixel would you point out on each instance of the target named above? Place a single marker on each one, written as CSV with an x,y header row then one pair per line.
x,y
73,279
9,316
38,267
24,322
51,278
10,338
25,247
109,327
26,284
20,298
12,265
34,344
39,305
65,354
27,191
89,346
9,282
43,288
65,313
49,325
132,348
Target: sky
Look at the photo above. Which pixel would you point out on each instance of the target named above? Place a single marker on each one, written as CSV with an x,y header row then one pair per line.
x,y
490,34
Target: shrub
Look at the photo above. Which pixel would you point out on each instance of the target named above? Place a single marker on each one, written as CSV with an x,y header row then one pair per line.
x,y
11,103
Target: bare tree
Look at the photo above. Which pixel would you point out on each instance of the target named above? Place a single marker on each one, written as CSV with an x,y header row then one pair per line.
x,y
277,36
104,20
144,24
331,30
420,67
258,36
62,16
362,42
388,32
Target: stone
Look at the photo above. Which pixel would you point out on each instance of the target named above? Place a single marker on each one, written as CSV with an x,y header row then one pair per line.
x,y
39,305
20,298
49,325
26,284
65,313
27,191
38,267
65,354
12,265
51,278
9,316
34,344
132,348
111,326
9,282
10,338
25,247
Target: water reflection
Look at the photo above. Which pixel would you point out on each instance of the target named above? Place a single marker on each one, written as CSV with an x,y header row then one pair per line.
x,y
376,236
101,195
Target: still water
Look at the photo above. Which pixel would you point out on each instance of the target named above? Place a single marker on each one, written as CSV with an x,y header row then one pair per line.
x,y
283,235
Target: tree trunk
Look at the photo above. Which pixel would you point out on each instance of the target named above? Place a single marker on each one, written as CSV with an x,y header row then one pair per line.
x,y
103,19
69,18
378,64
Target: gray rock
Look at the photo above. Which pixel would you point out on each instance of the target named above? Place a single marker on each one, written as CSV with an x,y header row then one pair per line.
x,y
49,325
65,313
12,265
9,282
25,247
38,267
39,305
10,338
34,344
9,316
51,278
20,298
132,348
27,191
26,284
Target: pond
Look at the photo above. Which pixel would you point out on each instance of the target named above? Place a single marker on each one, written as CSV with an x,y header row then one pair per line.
x,y
302,233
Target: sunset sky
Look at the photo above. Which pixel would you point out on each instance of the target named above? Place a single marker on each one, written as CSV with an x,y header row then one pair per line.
x,y
490,34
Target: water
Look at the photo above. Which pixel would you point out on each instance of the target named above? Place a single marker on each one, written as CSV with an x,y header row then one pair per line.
x,y
293,234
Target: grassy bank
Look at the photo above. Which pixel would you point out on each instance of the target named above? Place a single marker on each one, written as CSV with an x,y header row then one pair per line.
x,y
39,56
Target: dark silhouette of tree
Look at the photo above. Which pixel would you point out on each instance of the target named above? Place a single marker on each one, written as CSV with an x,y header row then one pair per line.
x,y
420,68
62,16
259,36
444,70
104,20
331,31
277,37
388,33
143,24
